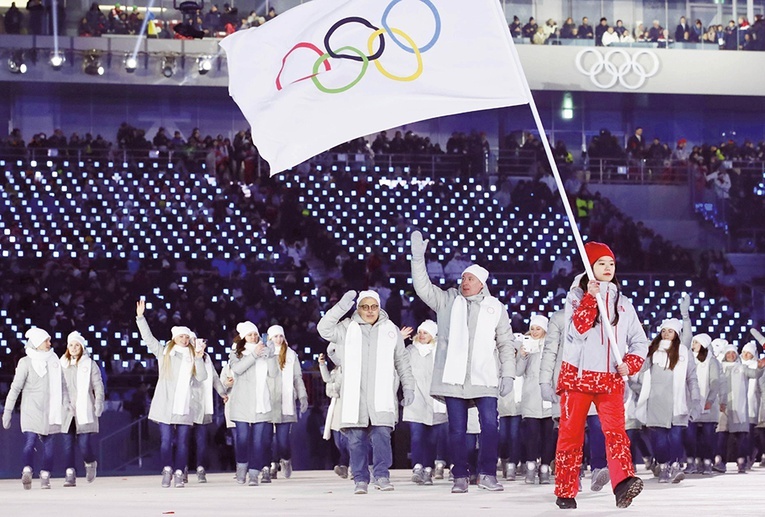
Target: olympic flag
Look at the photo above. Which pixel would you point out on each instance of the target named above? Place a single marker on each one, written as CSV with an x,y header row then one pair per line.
x,y
329,71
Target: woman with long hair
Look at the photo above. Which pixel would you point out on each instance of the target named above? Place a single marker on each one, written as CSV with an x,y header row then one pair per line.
x,y
179,365
669,395
250,402
286,386
86,390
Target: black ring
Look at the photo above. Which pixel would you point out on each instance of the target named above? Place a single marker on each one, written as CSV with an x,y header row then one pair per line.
x,y
353,19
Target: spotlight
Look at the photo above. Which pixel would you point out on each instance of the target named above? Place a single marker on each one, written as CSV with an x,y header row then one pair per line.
x,y
204,64
168,66
91,64
16,63
56,60
131,63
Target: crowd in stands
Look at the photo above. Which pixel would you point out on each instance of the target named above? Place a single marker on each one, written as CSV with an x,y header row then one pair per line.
x,y
124,20
734,36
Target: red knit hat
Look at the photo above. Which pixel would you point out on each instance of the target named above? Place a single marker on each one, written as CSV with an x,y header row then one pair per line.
x,y
595,250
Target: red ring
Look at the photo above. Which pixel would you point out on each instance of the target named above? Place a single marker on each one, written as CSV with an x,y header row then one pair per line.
x,y
303,44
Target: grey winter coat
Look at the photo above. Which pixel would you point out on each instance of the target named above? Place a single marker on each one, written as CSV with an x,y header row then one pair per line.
x,y
241,402
197,405
161,410
552,355
95,399
332,329
715,391
441,302
660,404
737,407
531,400
421,410
36,400
275,385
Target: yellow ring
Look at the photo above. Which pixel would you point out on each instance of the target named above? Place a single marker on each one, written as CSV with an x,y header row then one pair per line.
x,y
416,74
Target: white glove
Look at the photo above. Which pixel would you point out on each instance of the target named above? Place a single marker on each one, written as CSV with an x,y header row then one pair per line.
x,y
303,405
548,393
418,245
685,304
505,386
7,415
346,302
408,397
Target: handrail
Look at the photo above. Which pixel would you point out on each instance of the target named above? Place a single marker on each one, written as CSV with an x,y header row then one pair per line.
x,y
139,457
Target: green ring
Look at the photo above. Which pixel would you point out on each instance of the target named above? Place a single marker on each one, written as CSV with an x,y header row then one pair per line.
x,y
347,87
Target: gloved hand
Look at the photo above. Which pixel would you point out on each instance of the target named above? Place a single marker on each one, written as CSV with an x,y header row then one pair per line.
x,y
419,246
408,397
346,302
99,409
685,304
303,405
548,393
505,386
7,415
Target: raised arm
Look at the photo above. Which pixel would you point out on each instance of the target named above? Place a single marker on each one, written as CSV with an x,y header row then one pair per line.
x,y
687,336
329,326
434,297
143,327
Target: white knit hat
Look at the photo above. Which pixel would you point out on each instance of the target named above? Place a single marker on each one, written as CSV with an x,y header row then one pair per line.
x,y
718,345
367,294
539,321
36,337
730,348
704,340
482,274
674,324
180,331
750,347
246,327
429,326
275,330
76,337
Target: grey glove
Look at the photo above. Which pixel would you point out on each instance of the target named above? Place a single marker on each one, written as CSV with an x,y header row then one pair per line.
x,y
303,405
408,397
7,415
346,302
685,305
99,409
548,393
505,386
419,246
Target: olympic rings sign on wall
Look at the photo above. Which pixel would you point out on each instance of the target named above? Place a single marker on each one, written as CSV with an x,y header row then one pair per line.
x,y
378,34
630,67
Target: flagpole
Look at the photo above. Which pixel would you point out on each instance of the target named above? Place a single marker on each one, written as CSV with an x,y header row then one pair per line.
x,y
566,205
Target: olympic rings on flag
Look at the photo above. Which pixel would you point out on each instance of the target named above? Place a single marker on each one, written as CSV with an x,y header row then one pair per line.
x,y
310,46
358,55
418,55
354,19
413,47
323,59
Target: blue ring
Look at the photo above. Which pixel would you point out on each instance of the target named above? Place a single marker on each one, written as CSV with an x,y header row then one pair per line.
x,y
436,34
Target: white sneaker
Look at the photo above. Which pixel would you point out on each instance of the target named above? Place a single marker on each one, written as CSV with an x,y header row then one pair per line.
x,y
600,478
45,479
26,478
167,476
201,474
286,468
178,479
71,478
91,470
417,475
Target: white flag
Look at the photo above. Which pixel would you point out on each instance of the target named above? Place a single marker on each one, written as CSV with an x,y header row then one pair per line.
x,y
329,71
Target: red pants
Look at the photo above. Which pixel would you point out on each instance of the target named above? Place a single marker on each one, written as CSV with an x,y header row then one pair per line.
x,y
574,406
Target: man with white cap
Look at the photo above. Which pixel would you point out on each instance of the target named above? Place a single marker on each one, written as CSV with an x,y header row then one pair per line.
x,y
474,364
370,349
43,405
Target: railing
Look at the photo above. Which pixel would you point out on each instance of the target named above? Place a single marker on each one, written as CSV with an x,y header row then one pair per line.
x,y
137,428
609,170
